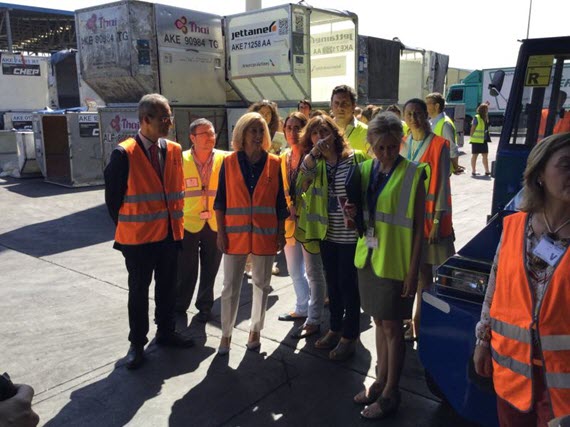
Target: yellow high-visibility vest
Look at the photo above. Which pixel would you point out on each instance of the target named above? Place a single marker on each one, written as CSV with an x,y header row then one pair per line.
x,y
198,199
478,136
393,221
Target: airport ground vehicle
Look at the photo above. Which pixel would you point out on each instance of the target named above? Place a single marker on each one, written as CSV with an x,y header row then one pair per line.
x,y
452,308
475,89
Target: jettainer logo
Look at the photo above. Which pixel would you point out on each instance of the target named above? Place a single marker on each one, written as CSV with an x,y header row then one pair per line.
x,y
249,32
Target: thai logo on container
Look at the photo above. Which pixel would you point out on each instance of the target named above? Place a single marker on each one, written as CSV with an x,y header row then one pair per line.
x,y
100,22
183,25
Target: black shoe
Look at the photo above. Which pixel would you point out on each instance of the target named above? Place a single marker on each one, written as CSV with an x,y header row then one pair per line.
x,y
135,357
305,331
203,316
290,317
174,339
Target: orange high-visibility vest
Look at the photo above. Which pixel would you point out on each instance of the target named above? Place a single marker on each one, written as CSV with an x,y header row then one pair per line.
x,y
432,156
149,204
513,320
251,222
561,125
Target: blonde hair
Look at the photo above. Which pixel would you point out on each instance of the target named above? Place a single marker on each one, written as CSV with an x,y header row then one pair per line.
x,y
533,195
243,124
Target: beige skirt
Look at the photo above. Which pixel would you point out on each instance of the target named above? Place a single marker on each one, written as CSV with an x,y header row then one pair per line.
x,y
437,253
381,298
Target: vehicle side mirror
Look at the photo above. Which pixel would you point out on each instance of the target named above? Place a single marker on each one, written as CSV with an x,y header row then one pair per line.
x,y
496,83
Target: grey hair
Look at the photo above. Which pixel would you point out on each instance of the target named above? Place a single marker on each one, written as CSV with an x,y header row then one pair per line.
x,y
150,103
199,122
384,124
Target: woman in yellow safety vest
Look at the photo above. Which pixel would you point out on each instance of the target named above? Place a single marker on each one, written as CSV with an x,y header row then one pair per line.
x,y
323,177
388,255
477,141
303,260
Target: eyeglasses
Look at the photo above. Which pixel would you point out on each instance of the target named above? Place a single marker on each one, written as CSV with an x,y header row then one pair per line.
x,y
209,133
165,119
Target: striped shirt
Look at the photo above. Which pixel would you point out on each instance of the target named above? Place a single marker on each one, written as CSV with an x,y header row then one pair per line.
x,y
337,231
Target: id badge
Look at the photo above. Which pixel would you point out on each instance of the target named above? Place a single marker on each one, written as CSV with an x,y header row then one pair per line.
x,y
371,240
548,251
333,204
205,215
191,182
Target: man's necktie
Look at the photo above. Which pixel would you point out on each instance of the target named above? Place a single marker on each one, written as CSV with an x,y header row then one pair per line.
x,y
154,159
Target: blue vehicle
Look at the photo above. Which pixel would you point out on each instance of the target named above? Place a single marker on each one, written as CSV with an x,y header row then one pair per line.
x,y
452,308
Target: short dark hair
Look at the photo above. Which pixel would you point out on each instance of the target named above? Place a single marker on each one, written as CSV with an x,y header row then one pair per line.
x,y
370,111
199,122
295,115
394,109
417,101
344,89
305,101
149,105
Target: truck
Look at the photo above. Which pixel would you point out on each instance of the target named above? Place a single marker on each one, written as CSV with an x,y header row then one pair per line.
x,y
477,87
471,93
452,307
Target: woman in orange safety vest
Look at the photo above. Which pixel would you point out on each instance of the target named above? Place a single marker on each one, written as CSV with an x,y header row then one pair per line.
x,y
523,338
422,145
250,211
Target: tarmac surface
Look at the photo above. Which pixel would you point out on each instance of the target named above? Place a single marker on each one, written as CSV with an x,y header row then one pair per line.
x,y
63,305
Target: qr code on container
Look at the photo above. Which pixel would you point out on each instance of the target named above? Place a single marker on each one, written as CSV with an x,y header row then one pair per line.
x,y
299,23
283,26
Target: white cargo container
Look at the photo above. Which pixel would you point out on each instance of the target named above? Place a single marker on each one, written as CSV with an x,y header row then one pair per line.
x,y
290,52
70,149
421,72
131,48
23,82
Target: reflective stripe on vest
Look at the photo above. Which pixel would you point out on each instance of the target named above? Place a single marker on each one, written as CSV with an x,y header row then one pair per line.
x,y
313,216
251,221
194,196
394,218
149,204
432,157
478,136
290,199
513,324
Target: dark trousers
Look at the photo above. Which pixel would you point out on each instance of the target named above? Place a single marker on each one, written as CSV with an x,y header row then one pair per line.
x,y
142,261
197,246
540,413
342,285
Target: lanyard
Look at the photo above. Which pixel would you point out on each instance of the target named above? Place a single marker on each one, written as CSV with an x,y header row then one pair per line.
x,y
377,183
331,176
205,171
293,173
413,156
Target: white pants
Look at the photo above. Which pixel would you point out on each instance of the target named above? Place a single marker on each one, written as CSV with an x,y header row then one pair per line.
x,y
233,278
